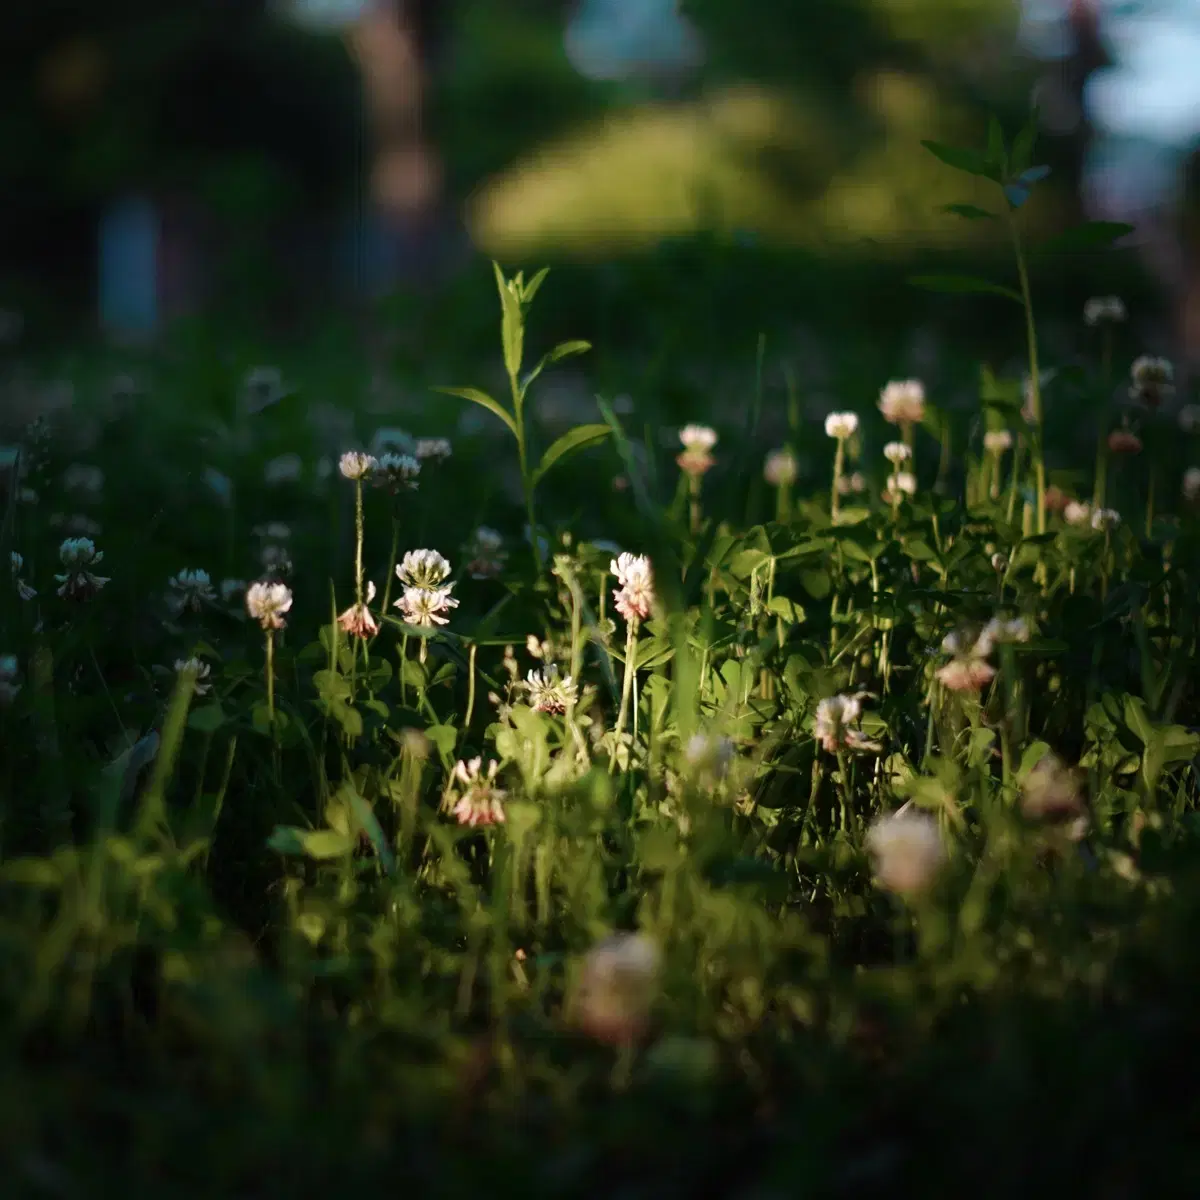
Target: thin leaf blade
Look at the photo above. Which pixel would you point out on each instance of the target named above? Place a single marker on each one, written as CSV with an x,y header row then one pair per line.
x,y
484,401
570,443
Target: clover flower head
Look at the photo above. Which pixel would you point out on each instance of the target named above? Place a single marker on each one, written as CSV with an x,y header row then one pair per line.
x,y
902,402
897,453
199,671
190,590
424,606
841,425
356,465
423,569
357,620
780,468
634,597
267,601
907,850
1104,310
548,692
480,800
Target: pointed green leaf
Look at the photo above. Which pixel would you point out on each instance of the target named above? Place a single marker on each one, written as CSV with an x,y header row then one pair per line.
x,y
1091,235
484,401
963,284
970,161
531,288
573,440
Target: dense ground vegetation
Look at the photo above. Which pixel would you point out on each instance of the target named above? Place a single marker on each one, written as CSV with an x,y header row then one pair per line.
x,y
615,809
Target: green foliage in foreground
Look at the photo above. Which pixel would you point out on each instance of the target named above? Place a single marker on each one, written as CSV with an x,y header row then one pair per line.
x,y
898,792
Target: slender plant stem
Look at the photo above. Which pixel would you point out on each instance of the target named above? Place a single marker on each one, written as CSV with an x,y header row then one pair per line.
x,y
1035,384
626,686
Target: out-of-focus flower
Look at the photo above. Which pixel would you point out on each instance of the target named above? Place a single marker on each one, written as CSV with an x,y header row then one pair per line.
x,y
284,468
1191,483
853,484
1153,380
968,669
902,402
697,441
841,425
836,726
897,453
902,483
1104,519
357,620
709,753
485,554
1104,310
425,606
398,472
1052,791
1077,512
999,563
190,589
356,465
634,596
10,671
1124,441
548,693
780,468
436,449
997,441
23,589
273,531
276,561
393,441
423,569
1002,631
1056,499
200,671
84,478
232,588
616,988
78,582
481,800
907,850
267,601
261,388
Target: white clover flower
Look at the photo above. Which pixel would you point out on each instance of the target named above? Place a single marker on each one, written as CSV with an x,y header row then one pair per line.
x,y
423,569
79,555
907,850
482,800
1002,630
356,465
700,438
616,988
357,620
897,453
284,468
485,554
835,725
267,601
190,589
997,441
200,671
902,402
1191,483
852,485
548,693
23,589
968,669
83,477
999,563
424,606
841,425
261,388
1105,519
780,468
634,597
903,483
1078,512
1153,380
1100,310
10,669
398,472
438,449
1052,791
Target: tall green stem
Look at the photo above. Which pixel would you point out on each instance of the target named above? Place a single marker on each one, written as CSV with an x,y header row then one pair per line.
x,y
1035,385
626,686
